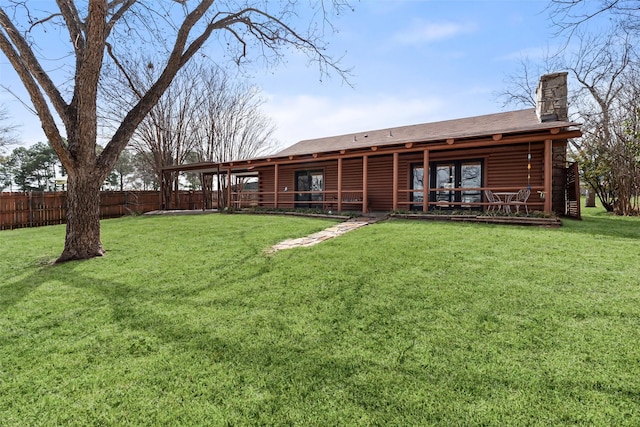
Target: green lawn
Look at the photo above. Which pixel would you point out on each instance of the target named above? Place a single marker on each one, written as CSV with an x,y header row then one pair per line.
x,y
187,321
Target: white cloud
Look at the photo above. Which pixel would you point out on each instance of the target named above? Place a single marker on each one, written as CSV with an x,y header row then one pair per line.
x,y
424,32
306,117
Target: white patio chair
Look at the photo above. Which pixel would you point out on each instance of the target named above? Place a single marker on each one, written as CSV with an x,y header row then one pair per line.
x,y
520,199
495,202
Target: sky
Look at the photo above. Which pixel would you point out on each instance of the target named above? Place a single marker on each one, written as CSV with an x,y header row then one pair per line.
x,y
411,61
414,61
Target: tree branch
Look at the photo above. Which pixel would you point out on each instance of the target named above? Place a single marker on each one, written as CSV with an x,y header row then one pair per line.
x,y
74,25
39,102
30,65
145,104
117,15
124,72
42,21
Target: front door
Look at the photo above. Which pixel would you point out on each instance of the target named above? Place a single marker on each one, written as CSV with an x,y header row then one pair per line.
x,y
456,183
309,186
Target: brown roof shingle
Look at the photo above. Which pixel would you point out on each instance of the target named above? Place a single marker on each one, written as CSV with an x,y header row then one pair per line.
x,y
498,123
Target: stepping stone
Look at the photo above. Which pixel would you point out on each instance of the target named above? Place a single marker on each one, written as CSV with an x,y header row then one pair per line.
x,y
321,236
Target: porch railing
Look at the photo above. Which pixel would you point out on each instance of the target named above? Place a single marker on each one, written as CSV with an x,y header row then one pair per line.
x,y
245,199
353,200
535,201
325,200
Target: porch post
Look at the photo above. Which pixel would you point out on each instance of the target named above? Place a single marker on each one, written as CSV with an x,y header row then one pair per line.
x,y
365,180
425,181
229,188
161,195
203,190
395,181
218,194
339,184
548,175
275,188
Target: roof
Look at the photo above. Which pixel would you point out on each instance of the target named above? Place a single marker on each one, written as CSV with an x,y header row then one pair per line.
x,y
490,124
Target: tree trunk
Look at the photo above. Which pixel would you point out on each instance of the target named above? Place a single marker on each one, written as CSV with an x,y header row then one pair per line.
x,y
591,199
83,218
207,190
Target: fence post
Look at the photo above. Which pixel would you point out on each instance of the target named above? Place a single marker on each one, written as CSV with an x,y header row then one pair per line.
x,y
30,209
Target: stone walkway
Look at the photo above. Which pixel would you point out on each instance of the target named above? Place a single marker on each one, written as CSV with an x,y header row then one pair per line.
x,y
321,236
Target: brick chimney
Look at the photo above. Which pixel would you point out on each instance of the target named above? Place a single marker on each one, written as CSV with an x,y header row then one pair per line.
x,y
551,97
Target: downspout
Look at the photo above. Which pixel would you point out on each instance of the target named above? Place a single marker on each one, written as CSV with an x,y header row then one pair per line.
x,y
229,188
339,207
425,181
548,175
395,181
275,190
365,180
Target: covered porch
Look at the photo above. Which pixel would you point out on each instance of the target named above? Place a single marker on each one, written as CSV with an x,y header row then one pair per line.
x,y
459,175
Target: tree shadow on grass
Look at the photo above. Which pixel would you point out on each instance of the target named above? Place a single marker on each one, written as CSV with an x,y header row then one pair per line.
x,y
22,283
605,225
135,310
239,356
255,368
15,291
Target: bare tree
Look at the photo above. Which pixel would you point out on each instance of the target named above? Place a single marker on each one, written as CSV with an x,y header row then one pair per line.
x,y
232,125
607,72
7,130
604,66
624,150
205,115
166,136
520,86
102,31
570,15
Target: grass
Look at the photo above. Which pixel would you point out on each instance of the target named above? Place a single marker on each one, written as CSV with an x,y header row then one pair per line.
x,y
187,321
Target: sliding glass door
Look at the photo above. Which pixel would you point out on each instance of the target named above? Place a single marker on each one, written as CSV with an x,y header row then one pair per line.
x,y
471,178
417,184
444,177
453,184
307,182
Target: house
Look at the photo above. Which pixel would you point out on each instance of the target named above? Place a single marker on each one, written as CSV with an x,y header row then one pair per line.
x,y
441,165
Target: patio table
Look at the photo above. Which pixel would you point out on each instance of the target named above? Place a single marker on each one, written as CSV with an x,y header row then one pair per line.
x,y
505,197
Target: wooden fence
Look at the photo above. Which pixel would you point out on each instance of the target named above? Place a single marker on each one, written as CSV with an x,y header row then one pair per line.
x,y
35,208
